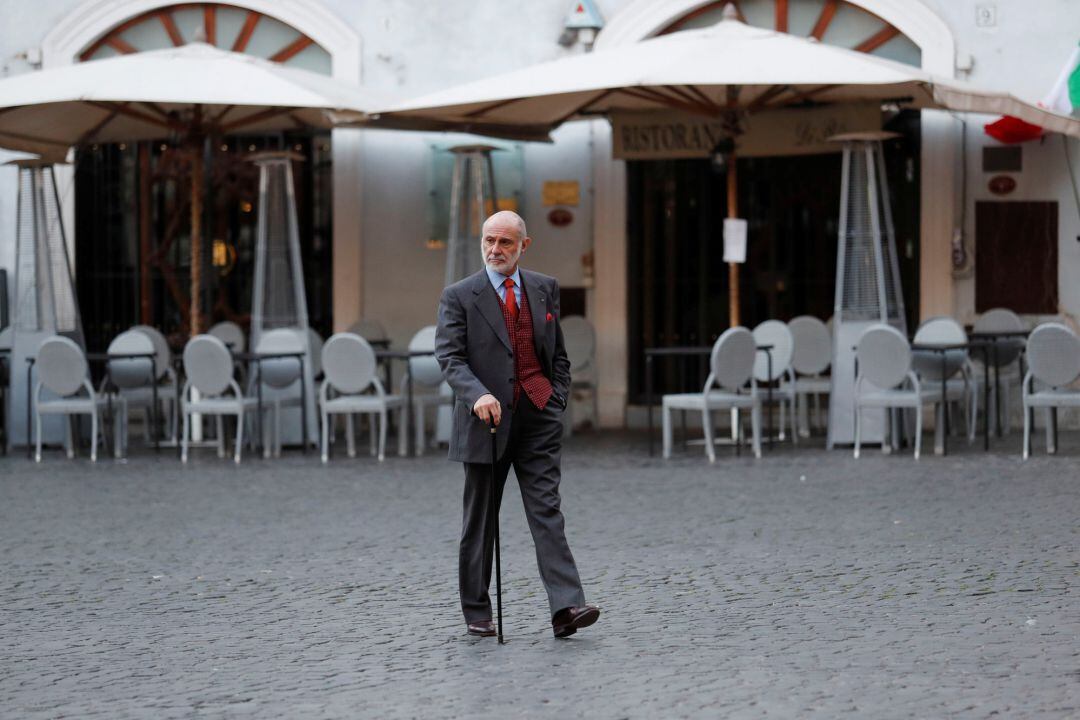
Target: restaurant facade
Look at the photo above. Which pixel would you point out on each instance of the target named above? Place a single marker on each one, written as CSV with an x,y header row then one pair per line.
x,y
627,214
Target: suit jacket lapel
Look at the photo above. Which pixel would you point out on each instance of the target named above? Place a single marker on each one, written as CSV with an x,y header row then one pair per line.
x,y
538,309
488,304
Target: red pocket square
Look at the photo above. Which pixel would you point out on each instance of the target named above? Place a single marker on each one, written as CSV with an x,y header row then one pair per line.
x,y
550,317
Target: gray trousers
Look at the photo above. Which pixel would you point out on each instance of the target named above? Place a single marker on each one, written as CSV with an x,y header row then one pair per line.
x,y
534,451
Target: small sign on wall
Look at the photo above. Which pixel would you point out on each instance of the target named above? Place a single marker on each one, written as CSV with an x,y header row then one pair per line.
x,y
562,192
734,240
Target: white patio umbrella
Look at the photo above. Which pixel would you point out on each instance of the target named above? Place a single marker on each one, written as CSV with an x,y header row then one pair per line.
x,y
187,93
722,71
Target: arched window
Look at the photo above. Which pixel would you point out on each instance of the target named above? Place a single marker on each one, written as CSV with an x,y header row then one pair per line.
x,y
831,21
225,26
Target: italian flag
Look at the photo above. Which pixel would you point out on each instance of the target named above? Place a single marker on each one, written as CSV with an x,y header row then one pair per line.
x,y
1063,98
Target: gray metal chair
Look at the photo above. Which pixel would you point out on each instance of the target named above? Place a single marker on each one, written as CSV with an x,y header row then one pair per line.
x,y
426,376
731,367
209,389
1007,360
132,383
886,380
579,337
62,370
278,375
350,371
1053,359
777,334
961,384
810,358
231,334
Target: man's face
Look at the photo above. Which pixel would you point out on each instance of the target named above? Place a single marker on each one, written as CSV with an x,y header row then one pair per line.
x,y
502,245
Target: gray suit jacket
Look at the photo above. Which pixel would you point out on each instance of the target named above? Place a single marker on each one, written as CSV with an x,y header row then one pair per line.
x,y
473,349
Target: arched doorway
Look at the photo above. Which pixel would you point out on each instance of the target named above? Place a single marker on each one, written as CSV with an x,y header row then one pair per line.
x,y
902,30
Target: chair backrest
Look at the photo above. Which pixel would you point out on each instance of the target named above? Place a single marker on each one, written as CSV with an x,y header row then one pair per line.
x,y
1053,354
1003,320
370,330
7,338
812,353
425,371
777,334
231,334
315,345
883,355
208,364
280,372
127,373
579,338
732,360
61,365
163,355
939,331
348,363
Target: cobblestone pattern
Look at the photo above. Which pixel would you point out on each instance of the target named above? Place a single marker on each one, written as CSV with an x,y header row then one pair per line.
x,y
803,585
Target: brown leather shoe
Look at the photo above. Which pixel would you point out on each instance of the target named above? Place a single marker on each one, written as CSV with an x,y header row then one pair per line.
x,y
482,628
569,620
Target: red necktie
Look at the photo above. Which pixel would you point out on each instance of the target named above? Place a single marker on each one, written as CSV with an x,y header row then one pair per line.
x,y
511,298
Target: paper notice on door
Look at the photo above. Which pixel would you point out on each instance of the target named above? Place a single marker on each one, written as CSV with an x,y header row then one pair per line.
x,y
734,240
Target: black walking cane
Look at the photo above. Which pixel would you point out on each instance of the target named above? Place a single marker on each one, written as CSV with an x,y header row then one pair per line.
x,y
494,510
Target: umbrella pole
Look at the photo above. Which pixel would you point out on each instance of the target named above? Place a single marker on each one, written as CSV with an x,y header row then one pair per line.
x,y
733,268
196,237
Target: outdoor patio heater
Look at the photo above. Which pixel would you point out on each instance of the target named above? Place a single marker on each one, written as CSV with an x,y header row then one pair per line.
x,y
45,302
278,299
868,289
472,199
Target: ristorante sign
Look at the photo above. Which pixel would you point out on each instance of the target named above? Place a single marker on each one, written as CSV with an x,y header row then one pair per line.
x,y
790,131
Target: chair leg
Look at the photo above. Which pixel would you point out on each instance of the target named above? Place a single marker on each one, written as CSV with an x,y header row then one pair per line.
x,y
1051,430
325,439
706,426
350,435
277,429
1006,407
184,433
372,431
858,430
94,436
781,434
37,425
665,422
1026,452
119,426
402,449
755,429
69,438
918,431
239,436
267,423
382,434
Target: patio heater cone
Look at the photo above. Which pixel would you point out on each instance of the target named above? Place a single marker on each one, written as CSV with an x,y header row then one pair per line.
x,y
868,289
278,299
45,302
472,199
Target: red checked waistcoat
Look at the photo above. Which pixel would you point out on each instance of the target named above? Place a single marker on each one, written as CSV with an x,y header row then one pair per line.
x,y
528,374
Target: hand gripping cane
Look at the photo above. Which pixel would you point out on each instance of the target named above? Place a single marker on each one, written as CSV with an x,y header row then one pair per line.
x,y
494,518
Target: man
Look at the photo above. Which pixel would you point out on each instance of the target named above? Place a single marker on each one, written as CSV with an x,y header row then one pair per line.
x,y
501,349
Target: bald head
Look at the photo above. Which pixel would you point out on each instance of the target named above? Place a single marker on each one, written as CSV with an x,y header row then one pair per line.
x,y
503,240
506,217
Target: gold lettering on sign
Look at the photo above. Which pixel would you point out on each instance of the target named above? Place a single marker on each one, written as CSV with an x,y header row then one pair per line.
x,y
790,131
561,192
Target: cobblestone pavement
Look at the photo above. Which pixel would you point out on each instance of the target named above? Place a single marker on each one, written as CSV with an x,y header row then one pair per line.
x,y
806,584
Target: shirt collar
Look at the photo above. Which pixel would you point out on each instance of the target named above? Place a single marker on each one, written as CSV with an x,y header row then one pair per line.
x,y
497,278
